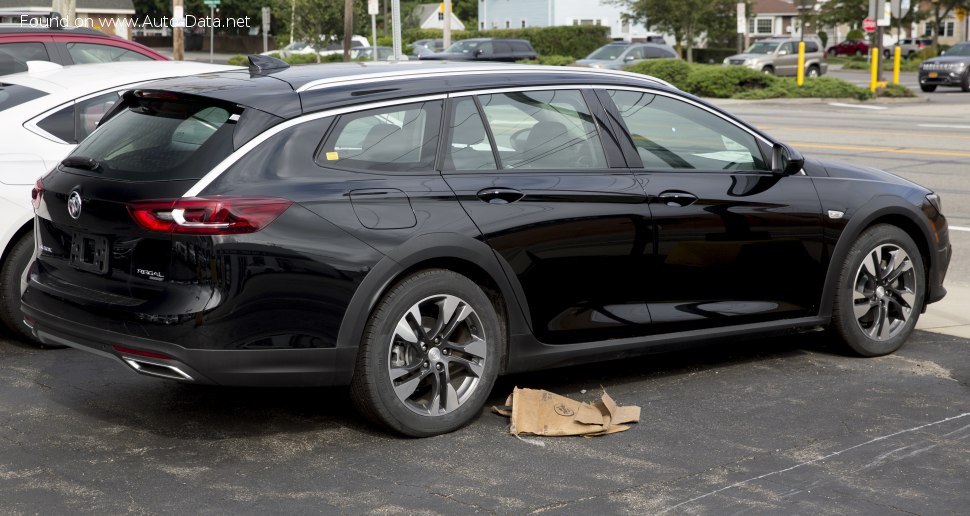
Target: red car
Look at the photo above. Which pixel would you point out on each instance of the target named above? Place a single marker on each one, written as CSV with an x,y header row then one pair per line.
x,y
849,48
65,47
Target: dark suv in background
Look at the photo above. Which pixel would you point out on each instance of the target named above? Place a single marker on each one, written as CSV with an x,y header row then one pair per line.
x,y
952,68
416,230
485,49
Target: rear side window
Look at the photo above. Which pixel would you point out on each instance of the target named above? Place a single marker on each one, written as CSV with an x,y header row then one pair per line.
x,y
521,46
811,46
12,95
156,140
87,53
400,138
543,130
75,122
14,56
469,148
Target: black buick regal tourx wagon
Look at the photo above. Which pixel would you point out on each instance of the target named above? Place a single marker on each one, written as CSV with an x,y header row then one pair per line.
x,y
414,230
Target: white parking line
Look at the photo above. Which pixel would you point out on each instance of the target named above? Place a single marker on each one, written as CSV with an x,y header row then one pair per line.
x,y
857,106
945,126
959,228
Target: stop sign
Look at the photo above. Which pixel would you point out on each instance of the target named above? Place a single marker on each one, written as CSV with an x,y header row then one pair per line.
x,y
869,25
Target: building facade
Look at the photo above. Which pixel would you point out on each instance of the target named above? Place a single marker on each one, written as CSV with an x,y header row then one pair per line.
x,y
517,14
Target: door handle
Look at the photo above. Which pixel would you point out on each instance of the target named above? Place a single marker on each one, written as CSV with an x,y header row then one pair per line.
x,y
674,198
500,195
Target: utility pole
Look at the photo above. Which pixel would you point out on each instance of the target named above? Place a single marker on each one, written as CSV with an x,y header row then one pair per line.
x,y
447,24
348,27
396,28
67,9
178,38
292,18
386,16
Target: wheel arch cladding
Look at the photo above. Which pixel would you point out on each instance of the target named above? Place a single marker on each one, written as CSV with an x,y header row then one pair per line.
x,y
878,211
458,253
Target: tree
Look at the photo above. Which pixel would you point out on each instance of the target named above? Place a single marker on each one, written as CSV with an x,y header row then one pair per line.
x,y
686,20
939,11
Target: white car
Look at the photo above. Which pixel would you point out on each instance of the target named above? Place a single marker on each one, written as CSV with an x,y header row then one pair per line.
x,y
44,113
336,46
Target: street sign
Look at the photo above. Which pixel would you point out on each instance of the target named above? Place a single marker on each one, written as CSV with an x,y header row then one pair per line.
x,y
961,14
212,3
869,25
887,15
373,7
266,19
178,17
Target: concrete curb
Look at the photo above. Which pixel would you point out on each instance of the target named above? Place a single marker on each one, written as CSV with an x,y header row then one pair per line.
x,y
799,101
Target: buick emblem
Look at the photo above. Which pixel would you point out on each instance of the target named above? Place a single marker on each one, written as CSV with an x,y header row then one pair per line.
x,y
74,205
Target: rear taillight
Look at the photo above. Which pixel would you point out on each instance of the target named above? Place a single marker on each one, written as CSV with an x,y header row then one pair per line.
x,y
37,193
215,215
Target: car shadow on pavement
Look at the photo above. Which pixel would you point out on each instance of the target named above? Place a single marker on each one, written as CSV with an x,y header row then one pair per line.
x,y
99,389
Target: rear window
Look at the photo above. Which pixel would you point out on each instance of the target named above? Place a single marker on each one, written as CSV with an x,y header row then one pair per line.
x,y
14,95
158,140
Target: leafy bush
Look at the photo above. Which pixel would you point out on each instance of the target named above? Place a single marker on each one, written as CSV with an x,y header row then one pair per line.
x,y
675,71
293,59
860,63
725,81
570,40
239,60
895,91
855,34
819,87
551,60
824,36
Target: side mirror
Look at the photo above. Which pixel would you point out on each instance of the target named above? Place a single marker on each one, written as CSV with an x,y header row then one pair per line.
x,y
785,161
479,52
943,53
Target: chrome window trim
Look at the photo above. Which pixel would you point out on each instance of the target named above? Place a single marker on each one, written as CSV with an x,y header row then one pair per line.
x,y
332,82
231,159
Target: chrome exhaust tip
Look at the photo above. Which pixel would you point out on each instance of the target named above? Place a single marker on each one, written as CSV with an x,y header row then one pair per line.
x,y
156,369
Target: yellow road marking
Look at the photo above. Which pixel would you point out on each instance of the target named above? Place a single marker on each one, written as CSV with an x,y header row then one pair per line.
x,y
881,149
870,133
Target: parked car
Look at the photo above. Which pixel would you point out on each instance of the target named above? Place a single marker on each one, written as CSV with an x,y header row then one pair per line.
x,y
307,229
367,53
616,56
43,115
909,47
485,49
429,45
950,69
779,56
849,47
336,46
66,46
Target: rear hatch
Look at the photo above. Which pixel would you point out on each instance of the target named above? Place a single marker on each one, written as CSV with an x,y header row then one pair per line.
x,y
93,248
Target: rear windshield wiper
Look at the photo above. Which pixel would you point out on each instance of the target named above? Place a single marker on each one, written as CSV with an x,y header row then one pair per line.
x,y
81,162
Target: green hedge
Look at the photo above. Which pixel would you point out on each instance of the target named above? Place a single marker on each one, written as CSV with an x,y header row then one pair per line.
x,y
294,59
674,71
550,61
743,83
570,40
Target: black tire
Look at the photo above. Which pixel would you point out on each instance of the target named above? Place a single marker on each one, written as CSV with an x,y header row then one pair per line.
x,y
965,83
813,71
928,88
770,70
868,292
382,353
10,272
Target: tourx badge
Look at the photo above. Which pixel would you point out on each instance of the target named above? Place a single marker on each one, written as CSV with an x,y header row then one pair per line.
x,y
74,205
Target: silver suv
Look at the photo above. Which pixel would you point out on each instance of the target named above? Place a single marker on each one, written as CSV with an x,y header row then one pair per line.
x,y
779,56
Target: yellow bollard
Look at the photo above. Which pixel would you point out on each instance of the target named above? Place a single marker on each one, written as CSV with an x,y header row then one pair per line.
x,y
896,64
800,78
873,82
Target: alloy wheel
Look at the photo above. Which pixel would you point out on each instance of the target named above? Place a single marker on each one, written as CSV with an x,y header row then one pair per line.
x,y
884,292
437,355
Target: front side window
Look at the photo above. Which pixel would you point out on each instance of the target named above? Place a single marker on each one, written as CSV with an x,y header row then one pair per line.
x,y
543,130
671,134
87,53
392,139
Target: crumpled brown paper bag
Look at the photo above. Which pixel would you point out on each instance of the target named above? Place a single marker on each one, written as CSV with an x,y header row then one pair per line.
x,y
540,412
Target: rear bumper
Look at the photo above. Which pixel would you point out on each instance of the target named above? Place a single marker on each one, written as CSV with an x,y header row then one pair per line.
x,y
278,368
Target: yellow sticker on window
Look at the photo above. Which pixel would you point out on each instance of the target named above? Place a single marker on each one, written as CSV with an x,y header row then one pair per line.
x,y
332,156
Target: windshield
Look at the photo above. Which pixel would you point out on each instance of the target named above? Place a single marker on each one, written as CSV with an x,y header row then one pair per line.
x,y
463,47
296,45
763,47
959,50
157,140
608,53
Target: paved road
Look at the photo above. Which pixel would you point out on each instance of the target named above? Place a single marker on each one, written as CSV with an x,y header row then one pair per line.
x,y
942,95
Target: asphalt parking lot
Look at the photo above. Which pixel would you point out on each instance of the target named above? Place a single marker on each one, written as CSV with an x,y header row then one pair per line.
x,y
779,425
